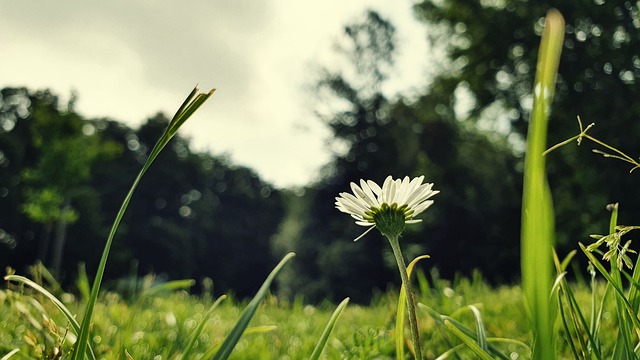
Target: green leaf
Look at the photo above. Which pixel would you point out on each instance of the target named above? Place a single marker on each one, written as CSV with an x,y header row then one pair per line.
x,y
328,329
537,209
234,336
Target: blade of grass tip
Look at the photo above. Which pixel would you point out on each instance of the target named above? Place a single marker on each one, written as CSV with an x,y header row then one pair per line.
x,y
196,333
471,343
82,282
480,330
10,354
169,286
234,336
537,210
57,303
48,276
83,336
402,308
185,113
327,330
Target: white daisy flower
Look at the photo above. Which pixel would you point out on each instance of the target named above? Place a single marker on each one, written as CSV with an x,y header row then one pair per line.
x,y
388,208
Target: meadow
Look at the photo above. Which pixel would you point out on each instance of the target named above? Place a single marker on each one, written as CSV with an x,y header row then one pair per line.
x,y
545,317
157,324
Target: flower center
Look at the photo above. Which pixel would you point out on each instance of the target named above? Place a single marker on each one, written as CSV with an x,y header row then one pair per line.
x,y
389,219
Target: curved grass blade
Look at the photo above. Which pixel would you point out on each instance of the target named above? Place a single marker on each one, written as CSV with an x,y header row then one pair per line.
x,y
10,354
328,329
198,330
190,105
471,343
480,330
402,310
70,317
232,338
440,319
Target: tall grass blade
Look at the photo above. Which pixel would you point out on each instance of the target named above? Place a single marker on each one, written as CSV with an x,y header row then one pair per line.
x,y
63,309
234,336
315,355
198,330
537,210
185,111
402,310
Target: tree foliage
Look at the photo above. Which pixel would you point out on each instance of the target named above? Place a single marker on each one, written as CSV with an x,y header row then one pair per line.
x,y
193,215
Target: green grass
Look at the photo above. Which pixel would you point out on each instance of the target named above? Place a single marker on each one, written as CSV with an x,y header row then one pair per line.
x,y
463,319
161,325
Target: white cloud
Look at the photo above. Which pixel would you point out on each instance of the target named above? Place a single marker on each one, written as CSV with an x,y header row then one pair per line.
x,y
129,59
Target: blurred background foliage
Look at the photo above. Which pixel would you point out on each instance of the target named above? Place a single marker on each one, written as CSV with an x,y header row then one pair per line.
x,y
196,215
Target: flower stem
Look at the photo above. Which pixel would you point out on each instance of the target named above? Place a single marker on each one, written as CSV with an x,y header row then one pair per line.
x,y
413,321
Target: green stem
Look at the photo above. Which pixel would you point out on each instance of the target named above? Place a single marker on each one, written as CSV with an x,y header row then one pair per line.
x,y
413,321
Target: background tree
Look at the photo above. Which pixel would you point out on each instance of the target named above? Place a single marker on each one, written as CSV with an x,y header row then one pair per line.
x,y
474,222
494,46
194,216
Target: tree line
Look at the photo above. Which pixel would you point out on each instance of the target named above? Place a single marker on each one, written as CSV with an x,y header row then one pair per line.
x,y
197,215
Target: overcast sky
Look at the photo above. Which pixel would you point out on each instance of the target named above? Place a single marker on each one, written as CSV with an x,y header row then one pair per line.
x,y
127,60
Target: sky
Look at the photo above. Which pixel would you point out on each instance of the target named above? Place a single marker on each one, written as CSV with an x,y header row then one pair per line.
x,y
128,60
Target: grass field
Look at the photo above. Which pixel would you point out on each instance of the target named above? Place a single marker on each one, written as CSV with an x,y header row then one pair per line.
x,y
158,326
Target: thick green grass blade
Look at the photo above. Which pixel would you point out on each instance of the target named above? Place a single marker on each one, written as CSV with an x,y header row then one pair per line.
x,y
537,210
63,309
198,330
315,355
402,310
234,336
189,106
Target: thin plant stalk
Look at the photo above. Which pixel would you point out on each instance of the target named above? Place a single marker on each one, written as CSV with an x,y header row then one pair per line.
x,y
189,106
402,308
411,303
